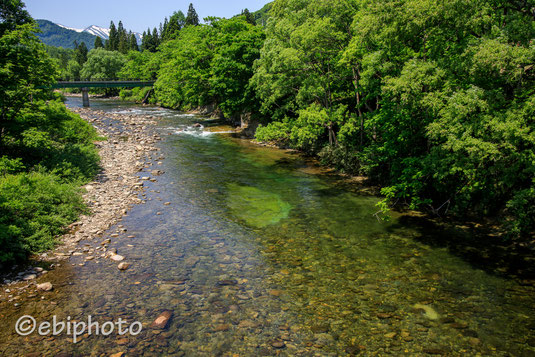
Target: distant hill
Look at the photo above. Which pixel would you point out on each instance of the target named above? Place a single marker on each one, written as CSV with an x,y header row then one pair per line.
x,y
58,36
261,16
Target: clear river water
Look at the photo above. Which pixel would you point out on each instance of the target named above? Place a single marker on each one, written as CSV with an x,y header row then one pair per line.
x,y
261,253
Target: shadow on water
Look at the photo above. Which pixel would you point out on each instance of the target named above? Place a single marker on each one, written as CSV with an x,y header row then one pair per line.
x,y
495,255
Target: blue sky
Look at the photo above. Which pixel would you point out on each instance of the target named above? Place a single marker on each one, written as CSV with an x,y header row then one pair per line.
x,y
136,15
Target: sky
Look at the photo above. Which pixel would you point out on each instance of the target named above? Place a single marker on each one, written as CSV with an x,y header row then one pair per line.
x,y
136,15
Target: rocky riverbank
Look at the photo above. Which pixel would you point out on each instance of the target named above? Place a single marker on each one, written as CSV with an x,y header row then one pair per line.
x,y
127,147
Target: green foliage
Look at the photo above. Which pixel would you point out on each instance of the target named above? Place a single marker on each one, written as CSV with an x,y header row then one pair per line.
x,y
119,40
103,65
24,66
112,43
261,16
47,151
151,40
10,166
172,27
277,132
433,100
34,209
192,18
80,53
210,65
62,56
140,65
98,43
343,159
249,17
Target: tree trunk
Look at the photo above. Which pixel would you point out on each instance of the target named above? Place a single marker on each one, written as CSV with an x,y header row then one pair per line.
x,y
356,77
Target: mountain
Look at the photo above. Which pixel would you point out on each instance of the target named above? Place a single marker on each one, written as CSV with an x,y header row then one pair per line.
x,y
101,32
60,36
98,31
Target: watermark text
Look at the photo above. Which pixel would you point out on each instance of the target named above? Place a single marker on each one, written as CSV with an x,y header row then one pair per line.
x,y
26,325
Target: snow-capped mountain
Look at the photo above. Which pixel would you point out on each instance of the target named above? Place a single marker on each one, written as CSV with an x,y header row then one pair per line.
x,y
99,31
70,28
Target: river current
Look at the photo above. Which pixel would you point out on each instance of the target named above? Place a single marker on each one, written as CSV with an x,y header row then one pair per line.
x,y
259,252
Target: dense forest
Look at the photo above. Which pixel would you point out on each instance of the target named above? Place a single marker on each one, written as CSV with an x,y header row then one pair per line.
x,y
46,152
432,101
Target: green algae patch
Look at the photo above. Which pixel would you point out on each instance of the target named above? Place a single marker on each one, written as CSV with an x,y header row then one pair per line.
x,y
256,207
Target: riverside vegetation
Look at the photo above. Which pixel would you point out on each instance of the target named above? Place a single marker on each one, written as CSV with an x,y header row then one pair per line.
x,y
432,101
46,152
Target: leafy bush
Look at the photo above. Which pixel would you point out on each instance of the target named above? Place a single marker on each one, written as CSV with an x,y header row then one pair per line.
x,y
277,132
34,208
341,158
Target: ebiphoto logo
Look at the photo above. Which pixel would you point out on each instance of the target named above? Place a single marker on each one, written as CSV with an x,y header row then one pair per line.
x,y
26,325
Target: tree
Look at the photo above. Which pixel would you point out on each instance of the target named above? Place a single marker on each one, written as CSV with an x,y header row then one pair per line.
x,y
80,53
123,39
150,41
133,46
112,44
192,18
102,65
173,26
24,66
299,77
98,43
155,40
12,14
210,65
249,17
73,71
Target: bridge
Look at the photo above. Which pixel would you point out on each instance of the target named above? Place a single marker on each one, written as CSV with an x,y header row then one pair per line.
x,y
85,85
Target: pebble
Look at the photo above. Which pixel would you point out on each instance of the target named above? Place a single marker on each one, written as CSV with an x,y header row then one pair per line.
x,y
247,324
44,286
29,277
278,344
221,327
227,282
275,292
123,266
117,258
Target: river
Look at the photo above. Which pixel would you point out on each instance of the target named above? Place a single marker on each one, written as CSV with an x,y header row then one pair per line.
x,y
258,252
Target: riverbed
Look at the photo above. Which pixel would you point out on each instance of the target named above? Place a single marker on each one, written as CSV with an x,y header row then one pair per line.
x,y
256,251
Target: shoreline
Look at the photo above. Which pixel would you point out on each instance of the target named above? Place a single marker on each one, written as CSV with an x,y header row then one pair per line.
x,y
109,197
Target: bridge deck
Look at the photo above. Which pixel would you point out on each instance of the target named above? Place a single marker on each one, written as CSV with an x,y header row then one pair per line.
x,y
102,84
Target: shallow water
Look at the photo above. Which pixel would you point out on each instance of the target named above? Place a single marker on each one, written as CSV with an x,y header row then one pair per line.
x,y
258,253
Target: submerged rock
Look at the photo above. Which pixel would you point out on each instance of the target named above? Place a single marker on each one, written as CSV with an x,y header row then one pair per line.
x,y
162,320
429,312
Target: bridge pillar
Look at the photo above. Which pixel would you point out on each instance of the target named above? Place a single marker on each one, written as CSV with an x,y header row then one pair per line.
x,y
85,97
